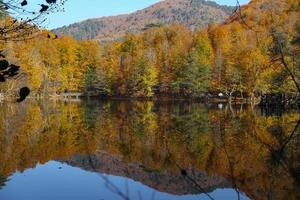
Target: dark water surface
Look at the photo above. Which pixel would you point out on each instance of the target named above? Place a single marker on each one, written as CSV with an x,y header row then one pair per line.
x,y
147,150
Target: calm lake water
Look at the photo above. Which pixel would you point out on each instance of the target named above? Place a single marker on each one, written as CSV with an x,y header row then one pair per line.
x,y
147,150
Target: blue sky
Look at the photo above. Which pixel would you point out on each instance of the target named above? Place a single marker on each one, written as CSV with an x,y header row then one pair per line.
x,y
78,10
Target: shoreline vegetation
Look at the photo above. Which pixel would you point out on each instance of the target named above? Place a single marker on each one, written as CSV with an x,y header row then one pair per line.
x,y
253,57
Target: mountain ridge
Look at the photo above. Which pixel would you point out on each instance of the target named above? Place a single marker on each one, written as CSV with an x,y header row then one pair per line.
x,y
193,14
163,180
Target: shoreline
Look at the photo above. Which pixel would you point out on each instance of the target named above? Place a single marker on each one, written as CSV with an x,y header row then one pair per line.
x,y
267,100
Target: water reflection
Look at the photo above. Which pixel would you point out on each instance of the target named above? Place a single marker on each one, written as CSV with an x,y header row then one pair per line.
x,y
171,149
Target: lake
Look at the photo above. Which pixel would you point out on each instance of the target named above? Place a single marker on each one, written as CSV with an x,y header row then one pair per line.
x,y
93,150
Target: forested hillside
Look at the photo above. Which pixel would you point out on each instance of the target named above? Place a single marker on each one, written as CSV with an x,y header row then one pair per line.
x,y
192,14
253,53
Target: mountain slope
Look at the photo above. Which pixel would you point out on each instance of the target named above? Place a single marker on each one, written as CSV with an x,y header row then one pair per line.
x,y
191,13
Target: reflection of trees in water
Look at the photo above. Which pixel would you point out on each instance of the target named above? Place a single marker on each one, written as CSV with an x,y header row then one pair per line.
x,y
268,151
229,158
236,142
3,180
91,112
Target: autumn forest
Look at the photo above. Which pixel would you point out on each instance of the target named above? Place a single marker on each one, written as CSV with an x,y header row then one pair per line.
x,y
254,52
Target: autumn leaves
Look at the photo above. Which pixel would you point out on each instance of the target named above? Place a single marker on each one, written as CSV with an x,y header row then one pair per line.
x,y
173,61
